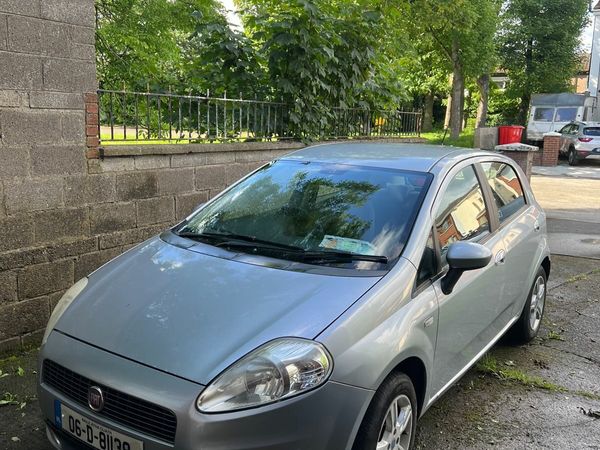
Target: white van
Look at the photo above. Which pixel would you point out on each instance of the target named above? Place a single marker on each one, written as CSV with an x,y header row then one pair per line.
x,y
551,112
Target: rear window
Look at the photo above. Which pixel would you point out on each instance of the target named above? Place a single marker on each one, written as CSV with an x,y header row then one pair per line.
x,y
543,114
592,131
565,114
506,188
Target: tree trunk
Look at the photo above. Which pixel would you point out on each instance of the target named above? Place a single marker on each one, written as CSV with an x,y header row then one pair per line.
x,y
483,82
448,107
467,102
526,97
428,112
458,93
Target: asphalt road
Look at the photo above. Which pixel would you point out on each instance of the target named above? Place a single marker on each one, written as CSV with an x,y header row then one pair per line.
x,y
572,206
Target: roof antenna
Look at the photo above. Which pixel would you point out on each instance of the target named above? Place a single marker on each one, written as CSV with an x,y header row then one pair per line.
x,y
445,133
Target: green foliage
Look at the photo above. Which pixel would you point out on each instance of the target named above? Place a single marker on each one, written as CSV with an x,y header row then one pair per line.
x,y
221,59
138,40
320,55
539,41
503,109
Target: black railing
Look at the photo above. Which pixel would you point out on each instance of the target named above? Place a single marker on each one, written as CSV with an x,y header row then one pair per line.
x,y
169,118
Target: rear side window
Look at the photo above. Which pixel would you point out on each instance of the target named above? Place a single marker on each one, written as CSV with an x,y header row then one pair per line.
x,y
565,114
543,114
462,214
506,189
592,131
566,129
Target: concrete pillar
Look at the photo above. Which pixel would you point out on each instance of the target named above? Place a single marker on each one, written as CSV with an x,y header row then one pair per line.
x,y
486,138
522,154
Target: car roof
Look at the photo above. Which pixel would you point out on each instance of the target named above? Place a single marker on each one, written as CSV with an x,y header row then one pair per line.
x,y
414,157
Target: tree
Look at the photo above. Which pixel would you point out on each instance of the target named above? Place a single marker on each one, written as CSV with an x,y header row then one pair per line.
x,y
539,42
425,75
319,55
221,59
140,42
463,31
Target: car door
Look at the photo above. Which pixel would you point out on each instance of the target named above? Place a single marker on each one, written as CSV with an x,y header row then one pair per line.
x,y
564,138
572,137
519,228
471,316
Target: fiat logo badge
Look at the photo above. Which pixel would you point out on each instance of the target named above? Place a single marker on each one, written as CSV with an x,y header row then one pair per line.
x,y
95,398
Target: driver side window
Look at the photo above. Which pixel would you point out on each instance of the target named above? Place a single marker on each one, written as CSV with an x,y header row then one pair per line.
x,y
462,214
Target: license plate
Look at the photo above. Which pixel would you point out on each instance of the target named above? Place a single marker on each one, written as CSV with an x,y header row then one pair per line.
x,y
92,433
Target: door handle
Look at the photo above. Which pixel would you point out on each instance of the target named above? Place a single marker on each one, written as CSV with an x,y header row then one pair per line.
x,y
499,258
536,226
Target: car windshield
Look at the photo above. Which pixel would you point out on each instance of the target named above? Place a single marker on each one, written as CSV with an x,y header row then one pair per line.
x,y
591,131
309,212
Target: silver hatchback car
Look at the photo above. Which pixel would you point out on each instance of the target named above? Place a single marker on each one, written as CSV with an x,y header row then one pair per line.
x,y
325,301
580,140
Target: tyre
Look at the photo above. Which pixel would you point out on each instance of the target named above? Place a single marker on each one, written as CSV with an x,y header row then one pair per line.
x,y
573,159
528,325
391,419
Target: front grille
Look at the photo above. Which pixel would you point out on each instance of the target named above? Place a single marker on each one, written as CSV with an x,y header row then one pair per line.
x,y
124,409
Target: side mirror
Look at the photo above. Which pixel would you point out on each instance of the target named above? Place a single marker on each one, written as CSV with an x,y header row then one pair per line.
x,y
464,256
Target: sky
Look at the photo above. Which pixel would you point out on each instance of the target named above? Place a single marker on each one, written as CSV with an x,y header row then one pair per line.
x,y
586,36
232,17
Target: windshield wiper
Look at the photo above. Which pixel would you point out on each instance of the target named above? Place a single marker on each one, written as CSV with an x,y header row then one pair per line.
x,y
233,240
328,256
226,239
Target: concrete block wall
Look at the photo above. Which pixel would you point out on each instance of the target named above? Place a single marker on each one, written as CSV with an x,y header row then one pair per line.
x,y
47,62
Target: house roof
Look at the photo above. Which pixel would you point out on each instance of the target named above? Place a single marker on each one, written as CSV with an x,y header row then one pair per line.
x,y
597,7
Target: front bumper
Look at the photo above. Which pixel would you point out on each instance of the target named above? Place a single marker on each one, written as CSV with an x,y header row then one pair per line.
x,y
326,418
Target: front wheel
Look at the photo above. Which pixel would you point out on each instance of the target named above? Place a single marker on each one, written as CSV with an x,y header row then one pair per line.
x,y
528,325
390,422
573,160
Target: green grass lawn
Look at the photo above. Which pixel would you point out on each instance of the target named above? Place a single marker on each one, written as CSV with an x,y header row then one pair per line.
x,y
466,138
434,137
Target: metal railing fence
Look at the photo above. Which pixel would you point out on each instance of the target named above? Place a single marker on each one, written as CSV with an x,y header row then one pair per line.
x,y
167,118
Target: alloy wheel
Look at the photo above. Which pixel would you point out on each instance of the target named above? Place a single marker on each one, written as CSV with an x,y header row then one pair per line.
x,y
538,299
396,430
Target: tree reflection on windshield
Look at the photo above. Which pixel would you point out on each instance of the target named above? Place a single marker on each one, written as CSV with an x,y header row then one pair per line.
x,y
319,207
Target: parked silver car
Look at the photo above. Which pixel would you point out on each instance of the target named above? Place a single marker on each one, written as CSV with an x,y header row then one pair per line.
x,y
580,140
323,302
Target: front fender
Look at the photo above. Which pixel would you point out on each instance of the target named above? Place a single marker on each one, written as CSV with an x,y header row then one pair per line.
x,y
384,328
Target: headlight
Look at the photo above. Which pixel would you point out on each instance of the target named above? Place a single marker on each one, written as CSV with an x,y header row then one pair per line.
x,y
63,304
277,370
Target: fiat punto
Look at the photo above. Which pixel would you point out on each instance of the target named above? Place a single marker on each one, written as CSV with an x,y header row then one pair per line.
x,y
324,301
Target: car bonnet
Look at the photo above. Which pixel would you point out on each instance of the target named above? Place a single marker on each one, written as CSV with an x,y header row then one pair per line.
x,y
192,314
